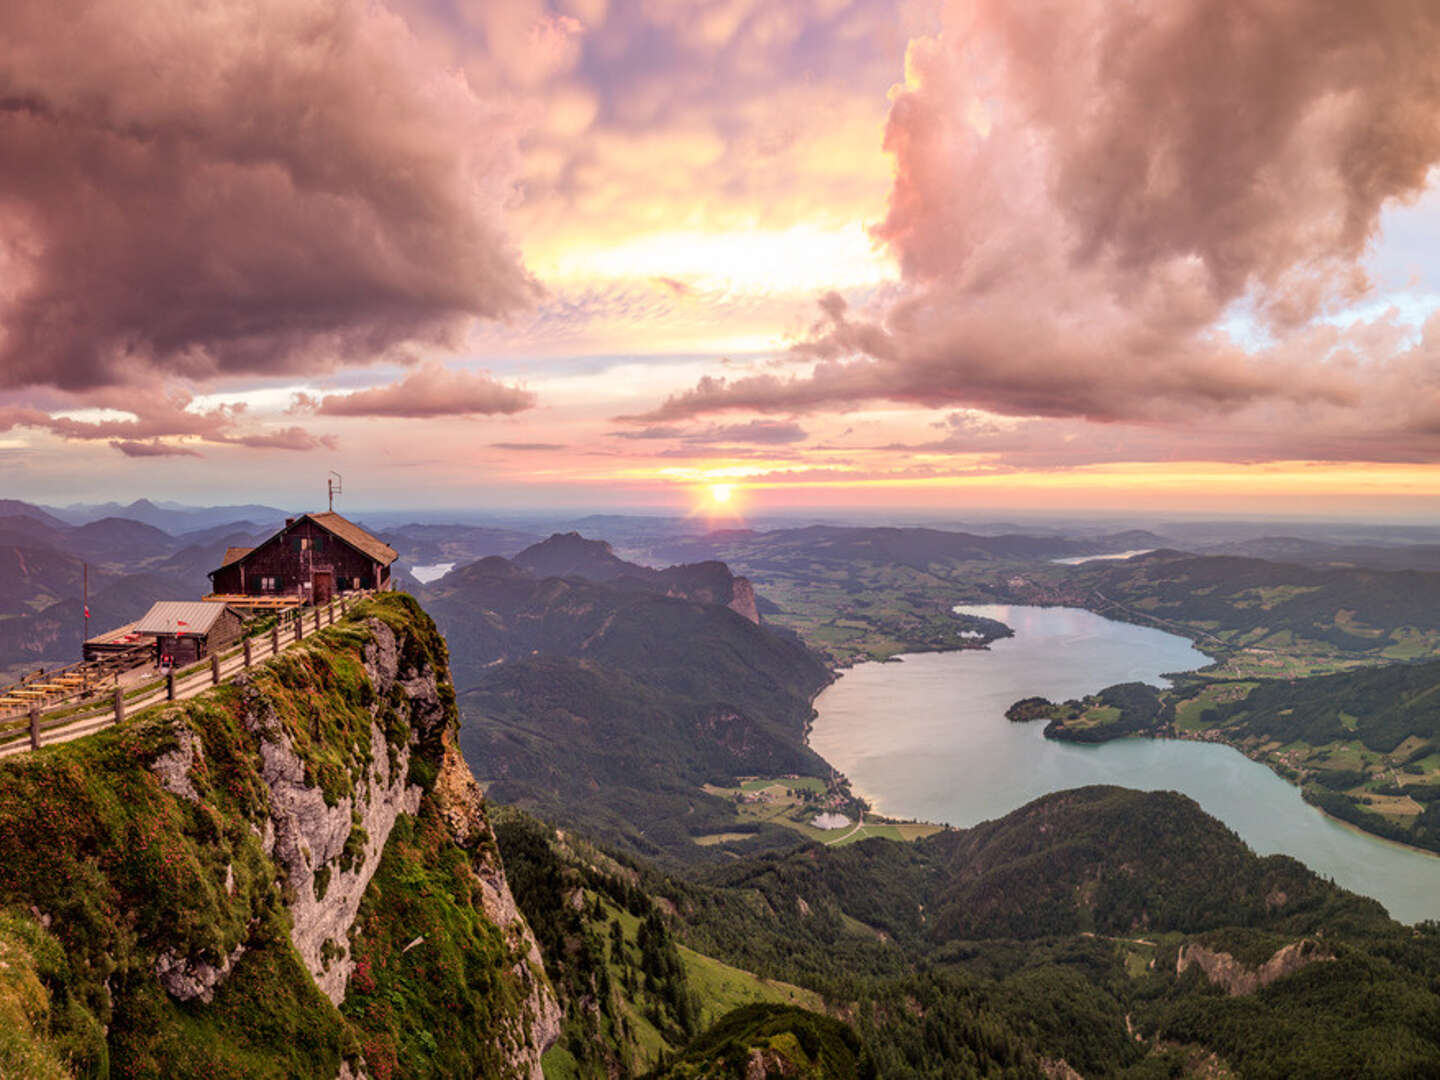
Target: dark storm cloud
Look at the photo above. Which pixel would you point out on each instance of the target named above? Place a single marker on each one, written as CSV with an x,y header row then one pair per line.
x,y
257,186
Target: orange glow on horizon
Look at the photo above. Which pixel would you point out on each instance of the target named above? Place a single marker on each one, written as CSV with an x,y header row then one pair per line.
x,y
1174,486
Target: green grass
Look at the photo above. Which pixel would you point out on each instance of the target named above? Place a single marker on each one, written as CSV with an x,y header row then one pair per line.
x,y
89,836
557,1063
26,1046
902,833
722,987
800,783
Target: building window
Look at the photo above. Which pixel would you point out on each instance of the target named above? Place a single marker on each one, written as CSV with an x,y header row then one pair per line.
x,y
267,584
319,543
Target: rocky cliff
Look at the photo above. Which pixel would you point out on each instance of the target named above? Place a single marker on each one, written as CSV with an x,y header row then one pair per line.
x,y
1237,979
293,875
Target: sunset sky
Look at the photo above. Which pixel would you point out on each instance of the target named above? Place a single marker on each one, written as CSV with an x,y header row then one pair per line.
x,y
1168,255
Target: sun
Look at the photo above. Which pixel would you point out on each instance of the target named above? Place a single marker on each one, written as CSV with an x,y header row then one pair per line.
x,y
720,493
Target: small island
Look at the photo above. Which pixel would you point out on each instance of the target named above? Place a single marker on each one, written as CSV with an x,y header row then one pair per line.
x,y
1031,708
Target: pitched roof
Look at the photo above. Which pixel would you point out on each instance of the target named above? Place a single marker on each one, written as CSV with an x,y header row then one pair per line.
x,y
235,554
356,537
180,617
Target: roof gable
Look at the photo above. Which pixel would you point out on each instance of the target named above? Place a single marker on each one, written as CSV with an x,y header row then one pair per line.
x,y
355,536
235,554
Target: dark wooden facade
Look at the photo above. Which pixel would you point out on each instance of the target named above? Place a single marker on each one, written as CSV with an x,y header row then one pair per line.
x,y
314,557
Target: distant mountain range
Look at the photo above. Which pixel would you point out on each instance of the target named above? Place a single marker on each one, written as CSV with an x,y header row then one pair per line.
x,y
174,518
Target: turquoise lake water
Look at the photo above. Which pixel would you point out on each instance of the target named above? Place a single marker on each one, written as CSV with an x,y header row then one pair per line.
x,y
927,738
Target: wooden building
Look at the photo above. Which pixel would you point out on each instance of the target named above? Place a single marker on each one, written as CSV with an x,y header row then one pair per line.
x,y
314,557
190,630
122,639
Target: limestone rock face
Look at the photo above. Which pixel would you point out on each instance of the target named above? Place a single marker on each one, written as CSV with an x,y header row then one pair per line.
x,y
189,980
1222,969
310,835
462,806
742,600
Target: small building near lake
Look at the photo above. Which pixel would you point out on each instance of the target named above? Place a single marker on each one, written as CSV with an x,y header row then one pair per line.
x,y
313,558
190,630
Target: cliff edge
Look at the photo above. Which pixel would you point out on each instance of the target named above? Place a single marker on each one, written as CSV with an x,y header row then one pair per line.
x,y
292,875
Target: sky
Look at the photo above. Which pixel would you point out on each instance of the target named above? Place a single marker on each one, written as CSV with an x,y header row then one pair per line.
x,y
1160,255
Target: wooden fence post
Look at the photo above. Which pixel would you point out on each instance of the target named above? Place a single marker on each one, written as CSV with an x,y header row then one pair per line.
x,y
330,614
119,703
214,669
246,646
170,687
299,626
275,638
34,727
342,607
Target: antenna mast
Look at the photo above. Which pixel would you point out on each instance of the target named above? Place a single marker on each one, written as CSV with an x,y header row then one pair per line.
x,y
332,487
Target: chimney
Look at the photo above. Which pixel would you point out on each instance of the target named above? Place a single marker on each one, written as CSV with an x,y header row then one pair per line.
x,y
289,522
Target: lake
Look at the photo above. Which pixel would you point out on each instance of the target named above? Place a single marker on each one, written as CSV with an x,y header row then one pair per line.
x,y
927,738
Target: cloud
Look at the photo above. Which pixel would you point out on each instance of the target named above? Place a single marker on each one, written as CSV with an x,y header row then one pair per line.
x,y
291,438
1086,192
529,446
654,431
153,448
431,390
136,421
763,432
252,187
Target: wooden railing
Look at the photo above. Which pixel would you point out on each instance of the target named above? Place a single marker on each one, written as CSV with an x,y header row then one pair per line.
x,y
73,720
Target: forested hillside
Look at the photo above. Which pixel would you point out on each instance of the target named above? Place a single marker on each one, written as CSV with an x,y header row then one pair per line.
x,y
1122,933
609,705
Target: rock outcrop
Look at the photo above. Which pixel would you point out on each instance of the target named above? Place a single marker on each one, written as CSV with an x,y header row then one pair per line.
x,y
329,852
537,1026
742,600
295,869
1224,970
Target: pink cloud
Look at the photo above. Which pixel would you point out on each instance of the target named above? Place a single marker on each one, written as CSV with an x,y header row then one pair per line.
x,y
153,448
431,390
1085,189
156,415
267,186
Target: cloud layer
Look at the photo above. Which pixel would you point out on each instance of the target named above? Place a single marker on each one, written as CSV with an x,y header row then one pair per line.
x,y
1089,194
252,187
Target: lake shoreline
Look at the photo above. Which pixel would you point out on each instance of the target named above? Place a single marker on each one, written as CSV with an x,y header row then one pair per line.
x,y
926,740
1259,759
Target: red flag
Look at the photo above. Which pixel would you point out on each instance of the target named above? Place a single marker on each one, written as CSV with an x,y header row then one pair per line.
x,y
87,611
181,622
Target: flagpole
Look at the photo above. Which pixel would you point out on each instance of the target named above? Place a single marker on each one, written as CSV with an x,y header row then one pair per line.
x,y
86,636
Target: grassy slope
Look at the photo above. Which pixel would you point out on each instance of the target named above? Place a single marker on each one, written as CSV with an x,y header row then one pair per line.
x,y
125,870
